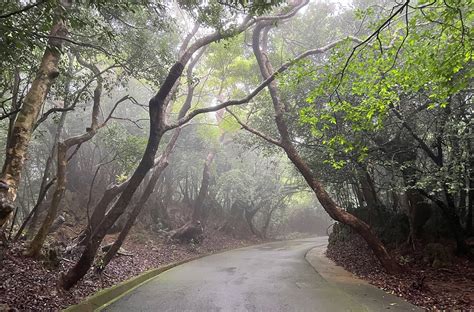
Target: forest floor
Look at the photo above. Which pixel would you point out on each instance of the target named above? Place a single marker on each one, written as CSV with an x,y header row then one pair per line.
x,y
31,285
435,289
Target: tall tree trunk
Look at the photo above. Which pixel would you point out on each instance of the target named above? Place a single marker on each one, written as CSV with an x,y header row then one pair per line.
x,y
36,244
268,221
27,116
157,127
359,195
46,179
163,203
199,211
249,214
15,105
455,222
368,190
162,164
339,214
33,211
336,212
110,194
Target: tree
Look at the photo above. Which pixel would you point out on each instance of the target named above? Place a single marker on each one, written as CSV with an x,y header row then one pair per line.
x,y
26,118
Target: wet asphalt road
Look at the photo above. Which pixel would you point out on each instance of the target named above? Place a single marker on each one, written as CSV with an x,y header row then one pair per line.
x,y
271,277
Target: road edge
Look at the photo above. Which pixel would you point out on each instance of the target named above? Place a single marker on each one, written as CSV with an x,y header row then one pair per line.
x,y
328,269
373,297
107,296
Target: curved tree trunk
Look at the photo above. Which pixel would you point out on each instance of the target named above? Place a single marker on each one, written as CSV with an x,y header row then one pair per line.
x,y
34,210
268,221
162,164
110,194
200,212
14,106
249,214
166,195
337,213
46,174
82,266
36,244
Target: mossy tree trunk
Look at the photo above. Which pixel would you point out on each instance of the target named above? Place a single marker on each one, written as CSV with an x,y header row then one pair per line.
x,y
27,116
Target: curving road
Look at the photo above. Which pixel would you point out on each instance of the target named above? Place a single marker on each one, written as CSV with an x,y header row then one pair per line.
x,y
270,277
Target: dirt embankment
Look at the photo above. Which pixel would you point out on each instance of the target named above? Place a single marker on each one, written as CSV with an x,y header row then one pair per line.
x,y
30,285
449,286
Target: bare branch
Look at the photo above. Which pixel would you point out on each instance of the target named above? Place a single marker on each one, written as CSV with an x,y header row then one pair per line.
x,y
135,122
24,9
78,146
254,131
7,115
127,97
99,166
76,99
50,111
368,39
423,145
284,16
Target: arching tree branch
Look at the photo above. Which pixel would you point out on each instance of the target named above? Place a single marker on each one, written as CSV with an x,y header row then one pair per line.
x,y
254,131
